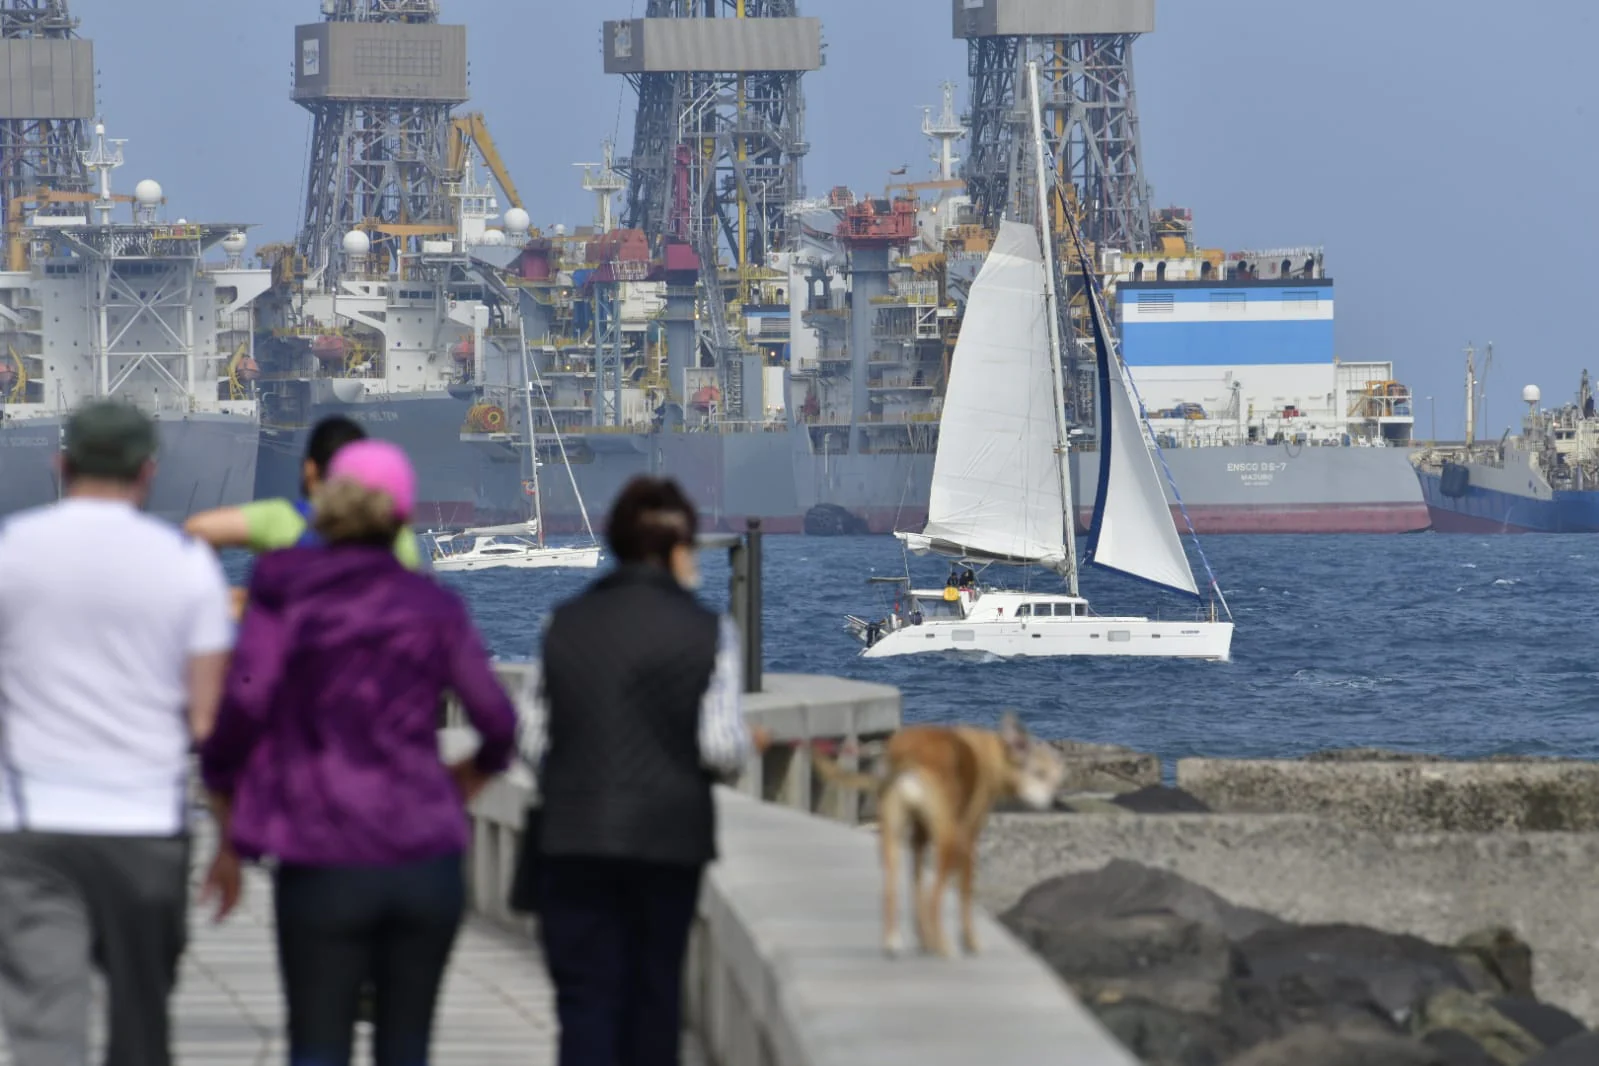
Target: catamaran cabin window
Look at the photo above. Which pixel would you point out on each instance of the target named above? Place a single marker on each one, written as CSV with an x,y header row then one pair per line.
x,y
931,608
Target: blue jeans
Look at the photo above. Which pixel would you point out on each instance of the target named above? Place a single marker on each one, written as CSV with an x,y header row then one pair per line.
x,y
615,934
341,926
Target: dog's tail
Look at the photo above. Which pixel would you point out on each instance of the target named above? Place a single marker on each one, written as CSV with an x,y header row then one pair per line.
x,y
835,774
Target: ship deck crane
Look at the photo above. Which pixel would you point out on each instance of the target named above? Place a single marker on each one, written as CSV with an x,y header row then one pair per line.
x,y
472,130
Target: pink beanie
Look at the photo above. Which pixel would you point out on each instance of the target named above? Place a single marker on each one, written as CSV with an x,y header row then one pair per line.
x,y
380,466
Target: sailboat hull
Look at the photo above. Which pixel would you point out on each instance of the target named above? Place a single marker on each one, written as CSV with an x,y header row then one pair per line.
x,y
1140,638
531,559
1032,625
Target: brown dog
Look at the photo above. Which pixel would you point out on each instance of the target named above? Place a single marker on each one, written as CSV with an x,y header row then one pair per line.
x,y
935,788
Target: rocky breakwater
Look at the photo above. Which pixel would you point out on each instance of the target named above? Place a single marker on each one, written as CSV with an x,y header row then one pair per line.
x,y
1182,977
1204,936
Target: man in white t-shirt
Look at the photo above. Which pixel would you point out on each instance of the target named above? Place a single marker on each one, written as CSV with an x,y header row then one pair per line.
x,y
114,634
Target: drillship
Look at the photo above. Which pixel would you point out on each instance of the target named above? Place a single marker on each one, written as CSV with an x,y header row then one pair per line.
x,y
99,307
1264,429
380,311
404,355
803,385
1544,481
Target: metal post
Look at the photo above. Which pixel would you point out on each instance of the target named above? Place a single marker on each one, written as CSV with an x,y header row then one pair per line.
x,y
743,593
753,659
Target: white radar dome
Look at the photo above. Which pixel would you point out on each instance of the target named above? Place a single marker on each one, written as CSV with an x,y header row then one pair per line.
x,y
147,192
357,243
183,222
234,243
560,230
1531,394
493,237
517,221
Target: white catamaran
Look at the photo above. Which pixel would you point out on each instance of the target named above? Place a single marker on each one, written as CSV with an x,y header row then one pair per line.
x,y
518,546
1001,490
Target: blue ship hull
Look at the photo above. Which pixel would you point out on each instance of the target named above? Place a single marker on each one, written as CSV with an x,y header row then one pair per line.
x,y
1483,510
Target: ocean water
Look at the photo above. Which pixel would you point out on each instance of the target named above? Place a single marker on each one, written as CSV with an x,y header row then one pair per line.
x,y
1456,645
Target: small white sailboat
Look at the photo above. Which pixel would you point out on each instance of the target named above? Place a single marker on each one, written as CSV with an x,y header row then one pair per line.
x,y
518,545
1001,492
471,550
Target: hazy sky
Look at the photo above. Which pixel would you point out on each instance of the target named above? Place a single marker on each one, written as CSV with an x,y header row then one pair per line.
x,y
1440,151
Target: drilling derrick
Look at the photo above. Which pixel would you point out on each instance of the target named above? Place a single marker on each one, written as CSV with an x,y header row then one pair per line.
x,y
46,101
1084,52
380,78
717,143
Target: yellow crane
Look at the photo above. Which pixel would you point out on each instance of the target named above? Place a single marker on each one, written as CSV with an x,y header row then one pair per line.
x,y
471,130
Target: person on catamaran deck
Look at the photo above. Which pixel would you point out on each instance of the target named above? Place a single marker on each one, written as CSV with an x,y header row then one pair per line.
x,y
268,525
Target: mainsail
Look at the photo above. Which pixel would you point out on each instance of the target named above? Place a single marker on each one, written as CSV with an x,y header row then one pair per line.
x,y
996,492
1132,528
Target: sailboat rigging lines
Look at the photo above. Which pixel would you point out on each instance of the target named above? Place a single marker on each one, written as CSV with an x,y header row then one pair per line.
x,y
1001,492
519,546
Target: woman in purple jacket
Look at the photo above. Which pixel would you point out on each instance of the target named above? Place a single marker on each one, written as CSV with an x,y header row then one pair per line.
x,y
325,758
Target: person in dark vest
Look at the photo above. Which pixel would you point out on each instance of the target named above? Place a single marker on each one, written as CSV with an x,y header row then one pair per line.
x,y
639,716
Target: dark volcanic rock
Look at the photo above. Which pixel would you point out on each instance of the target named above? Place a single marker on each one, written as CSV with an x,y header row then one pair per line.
x,y
1160,1036
1350,1046
1182,977
1458,1049
1401,971
1159,799
1121,888
1545,1022
1272,1007
1159,958
1578,1051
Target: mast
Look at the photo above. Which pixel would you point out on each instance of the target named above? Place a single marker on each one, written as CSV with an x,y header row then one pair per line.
x,y
532,437
1471,395
1062,441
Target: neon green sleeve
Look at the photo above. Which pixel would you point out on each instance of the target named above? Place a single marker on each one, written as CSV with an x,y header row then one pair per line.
x,y
406,549
272,524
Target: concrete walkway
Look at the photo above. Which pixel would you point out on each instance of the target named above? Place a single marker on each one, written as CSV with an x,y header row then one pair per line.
x,y
496,1010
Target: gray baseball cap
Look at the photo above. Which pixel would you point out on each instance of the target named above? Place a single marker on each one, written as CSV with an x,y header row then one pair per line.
x,y
109,439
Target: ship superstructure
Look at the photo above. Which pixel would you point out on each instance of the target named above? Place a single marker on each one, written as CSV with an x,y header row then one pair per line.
x,y
103,298
389,307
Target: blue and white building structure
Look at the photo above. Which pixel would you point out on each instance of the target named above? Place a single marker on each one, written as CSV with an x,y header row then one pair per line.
x,y
1244,351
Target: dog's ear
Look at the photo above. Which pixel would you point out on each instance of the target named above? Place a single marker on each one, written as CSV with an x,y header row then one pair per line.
x,y
1013,733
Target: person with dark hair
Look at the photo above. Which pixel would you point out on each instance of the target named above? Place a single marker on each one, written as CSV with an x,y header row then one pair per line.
x,y
267,525
637,715
114,637
325,759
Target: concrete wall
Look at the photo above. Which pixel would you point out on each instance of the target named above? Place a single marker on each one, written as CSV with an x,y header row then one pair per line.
x,y
1440,886
1419,795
